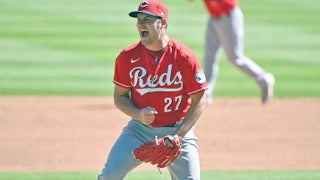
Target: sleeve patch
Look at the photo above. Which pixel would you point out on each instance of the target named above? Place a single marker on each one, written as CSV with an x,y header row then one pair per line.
x,y
200,77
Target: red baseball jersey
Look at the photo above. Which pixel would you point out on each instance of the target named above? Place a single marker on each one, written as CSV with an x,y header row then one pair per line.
x,y
165,85
219,7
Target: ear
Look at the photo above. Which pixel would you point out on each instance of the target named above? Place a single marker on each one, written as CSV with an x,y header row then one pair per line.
x,y
164,23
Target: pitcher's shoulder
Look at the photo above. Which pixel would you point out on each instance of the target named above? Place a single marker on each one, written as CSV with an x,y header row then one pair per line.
x,y
181,48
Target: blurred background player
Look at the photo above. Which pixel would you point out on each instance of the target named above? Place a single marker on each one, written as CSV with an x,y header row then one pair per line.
x,y
225,30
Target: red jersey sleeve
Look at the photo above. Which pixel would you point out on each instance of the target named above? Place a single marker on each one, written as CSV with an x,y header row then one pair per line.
x,y
121,76
193,76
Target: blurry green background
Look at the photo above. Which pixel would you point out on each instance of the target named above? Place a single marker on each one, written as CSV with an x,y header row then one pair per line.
x,y
68,47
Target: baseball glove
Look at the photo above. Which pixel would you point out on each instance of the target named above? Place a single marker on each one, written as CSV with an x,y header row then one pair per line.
x,y
160,152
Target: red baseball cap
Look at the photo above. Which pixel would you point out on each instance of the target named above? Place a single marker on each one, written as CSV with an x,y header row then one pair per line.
x,y
153,8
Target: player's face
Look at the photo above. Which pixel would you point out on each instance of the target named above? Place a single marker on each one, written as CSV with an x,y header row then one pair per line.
x,y
149,28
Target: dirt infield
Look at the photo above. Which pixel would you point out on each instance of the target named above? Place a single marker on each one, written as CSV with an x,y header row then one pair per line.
x,y
76,133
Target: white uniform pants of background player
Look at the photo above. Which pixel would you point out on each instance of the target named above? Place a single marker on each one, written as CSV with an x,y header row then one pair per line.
x,y
227,32
120,161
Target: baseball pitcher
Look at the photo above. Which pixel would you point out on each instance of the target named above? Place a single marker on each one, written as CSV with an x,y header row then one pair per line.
x,y
160,84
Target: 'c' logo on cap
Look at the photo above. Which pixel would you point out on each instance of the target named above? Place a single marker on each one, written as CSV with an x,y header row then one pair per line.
x,y
144,4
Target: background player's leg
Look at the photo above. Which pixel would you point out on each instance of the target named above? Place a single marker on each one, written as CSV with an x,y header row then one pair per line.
x,y
231,32
211,57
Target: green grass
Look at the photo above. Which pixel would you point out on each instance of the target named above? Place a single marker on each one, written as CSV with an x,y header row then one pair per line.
x,y
69,47
155,175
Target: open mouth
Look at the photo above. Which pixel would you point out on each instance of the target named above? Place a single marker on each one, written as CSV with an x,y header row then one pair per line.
x,y
144,33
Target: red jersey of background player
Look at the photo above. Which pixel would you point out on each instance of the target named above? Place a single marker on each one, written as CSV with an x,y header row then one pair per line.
x,y
164,85
218,8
